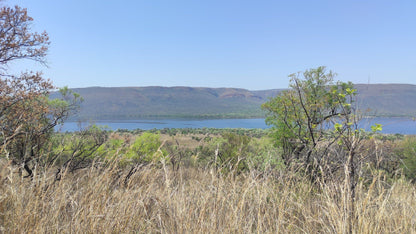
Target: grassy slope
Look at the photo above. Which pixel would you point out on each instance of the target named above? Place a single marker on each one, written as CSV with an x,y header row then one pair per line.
x,y
142,102
159,200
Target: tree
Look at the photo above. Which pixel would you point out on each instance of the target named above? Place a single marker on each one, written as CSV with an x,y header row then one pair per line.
x,y
27,115
16,41
75,151
302,115
317,126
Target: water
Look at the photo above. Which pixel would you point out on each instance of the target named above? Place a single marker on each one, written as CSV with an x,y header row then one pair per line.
x,y
172,123
390,125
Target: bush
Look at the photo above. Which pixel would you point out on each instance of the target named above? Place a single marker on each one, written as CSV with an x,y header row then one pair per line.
x,y
408,154
146,148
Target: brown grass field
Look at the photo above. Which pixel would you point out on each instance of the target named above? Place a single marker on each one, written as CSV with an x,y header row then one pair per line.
x,y
191,200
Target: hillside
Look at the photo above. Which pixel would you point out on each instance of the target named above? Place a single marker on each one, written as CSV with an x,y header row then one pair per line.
x,y
173,102
118,103
397,100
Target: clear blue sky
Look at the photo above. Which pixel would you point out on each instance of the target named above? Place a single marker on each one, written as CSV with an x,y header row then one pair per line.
x,y
220,43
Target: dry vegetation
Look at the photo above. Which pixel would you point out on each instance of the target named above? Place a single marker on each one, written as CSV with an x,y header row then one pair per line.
x,y
225,182
191,200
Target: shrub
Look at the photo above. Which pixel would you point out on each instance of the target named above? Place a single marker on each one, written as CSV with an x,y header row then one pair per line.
x,y
408,153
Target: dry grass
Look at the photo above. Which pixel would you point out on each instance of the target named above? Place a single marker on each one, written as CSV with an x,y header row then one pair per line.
x,y
185,141
157,200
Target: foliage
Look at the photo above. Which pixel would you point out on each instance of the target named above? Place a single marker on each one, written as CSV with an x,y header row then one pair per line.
x,y
257,133
407,151
302,115
263,156
146,148
232,153
114,146
71,152
16,40
27,116
315,124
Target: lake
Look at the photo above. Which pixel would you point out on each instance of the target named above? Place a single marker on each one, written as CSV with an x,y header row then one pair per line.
x,y
172,123
390,125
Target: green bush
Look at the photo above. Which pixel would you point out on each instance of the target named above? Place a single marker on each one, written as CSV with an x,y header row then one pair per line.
x,y
264,155
233,152
408,153
146,148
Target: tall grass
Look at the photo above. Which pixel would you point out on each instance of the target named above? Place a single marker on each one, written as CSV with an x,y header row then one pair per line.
x,y
192,200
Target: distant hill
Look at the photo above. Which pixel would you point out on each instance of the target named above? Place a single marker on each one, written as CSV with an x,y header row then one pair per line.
x,y
170,102
391,100
122,103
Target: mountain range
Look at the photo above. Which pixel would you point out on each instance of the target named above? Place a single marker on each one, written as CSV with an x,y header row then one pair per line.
x,y
124,103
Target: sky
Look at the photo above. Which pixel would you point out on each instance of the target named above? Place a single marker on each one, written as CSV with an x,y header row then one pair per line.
x,y
223,43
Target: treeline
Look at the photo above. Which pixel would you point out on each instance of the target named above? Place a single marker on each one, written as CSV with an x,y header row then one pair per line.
x,y
204,131
118,116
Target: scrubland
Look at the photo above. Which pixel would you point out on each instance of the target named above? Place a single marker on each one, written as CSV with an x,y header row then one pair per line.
x,y
116,196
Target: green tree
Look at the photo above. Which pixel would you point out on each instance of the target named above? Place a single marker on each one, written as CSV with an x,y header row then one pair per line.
x,y
301,116
74,151
317,125
146,149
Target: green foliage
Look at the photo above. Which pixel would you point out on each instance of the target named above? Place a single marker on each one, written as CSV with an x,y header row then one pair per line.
x,y
146,148
338,127
228,152
263,155
27,116
111,148
301,115
408,153
377,128
73,151
233,152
